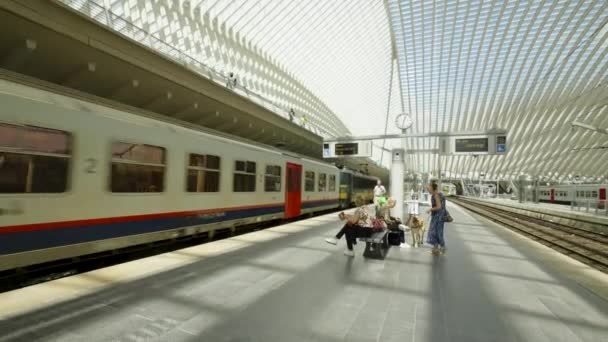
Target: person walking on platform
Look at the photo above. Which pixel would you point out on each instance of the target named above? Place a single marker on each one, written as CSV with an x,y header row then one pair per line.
x,y
357,225
379,191
437,211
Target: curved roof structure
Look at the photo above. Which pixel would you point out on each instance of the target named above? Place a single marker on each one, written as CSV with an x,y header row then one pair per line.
x,y
530,67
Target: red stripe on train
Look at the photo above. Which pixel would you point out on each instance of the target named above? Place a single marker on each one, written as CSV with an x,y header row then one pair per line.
x,y
106,220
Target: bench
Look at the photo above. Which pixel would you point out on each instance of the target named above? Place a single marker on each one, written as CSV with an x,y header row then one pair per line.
x,y
376,245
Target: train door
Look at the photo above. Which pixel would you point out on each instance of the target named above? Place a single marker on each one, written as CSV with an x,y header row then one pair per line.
x,y
602,198
552,196
293,193
345,189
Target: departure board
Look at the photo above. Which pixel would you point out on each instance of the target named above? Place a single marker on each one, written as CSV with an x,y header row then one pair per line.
x,y
346,149
471,145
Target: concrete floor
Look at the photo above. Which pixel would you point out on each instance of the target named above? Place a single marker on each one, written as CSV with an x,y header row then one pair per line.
x,y
287,284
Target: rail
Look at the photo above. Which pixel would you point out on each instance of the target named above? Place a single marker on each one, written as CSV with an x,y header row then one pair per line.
x,y
124,27
589,246
591,206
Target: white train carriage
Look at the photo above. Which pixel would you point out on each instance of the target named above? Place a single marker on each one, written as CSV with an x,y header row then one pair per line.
x,y
581,193
78,178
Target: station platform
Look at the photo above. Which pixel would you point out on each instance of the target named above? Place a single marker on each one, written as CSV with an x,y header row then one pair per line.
x,y
559,209
286,284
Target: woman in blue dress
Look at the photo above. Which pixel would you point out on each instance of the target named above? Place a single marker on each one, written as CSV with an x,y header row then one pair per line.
x,y
437,211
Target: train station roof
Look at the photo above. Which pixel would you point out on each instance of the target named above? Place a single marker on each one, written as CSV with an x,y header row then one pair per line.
x,y
532,68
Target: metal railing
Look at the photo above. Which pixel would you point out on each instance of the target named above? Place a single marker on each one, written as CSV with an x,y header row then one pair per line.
x,y
98,12
590,206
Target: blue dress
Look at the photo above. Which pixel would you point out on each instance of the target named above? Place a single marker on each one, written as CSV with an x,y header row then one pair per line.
x,y
435,236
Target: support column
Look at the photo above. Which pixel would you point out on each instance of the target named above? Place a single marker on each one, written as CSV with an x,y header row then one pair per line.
x,y
522,189
397,172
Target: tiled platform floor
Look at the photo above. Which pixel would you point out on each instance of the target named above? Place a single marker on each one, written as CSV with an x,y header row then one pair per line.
x,y
287,284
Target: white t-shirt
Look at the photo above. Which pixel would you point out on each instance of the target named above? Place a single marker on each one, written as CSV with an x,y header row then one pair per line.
x,y
379,190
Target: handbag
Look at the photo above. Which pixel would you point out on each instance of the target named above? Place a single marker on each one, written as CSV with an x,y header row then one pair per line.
x,y
378,224
447,217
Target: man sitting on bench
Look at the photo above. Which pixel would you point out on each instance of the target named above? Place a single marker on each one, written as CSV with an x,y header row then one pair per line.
x,y
357,225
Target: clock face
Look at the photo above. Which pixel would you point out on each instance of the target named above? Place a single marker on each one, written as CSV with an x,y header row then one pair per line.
x,y
403,121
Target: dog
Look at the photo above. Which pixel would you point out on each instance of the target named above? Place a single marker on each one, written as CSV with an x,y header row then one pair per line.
x,y
417,228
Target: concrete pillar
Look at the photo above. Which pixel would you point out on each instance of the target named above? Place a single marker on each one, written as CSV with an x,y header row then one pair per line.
x,y
522,189
397,172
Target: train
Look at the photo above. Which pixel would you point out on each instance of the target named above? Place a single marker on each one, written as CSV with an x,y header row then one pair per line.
x,y
448,189
353,185
581,193
79,177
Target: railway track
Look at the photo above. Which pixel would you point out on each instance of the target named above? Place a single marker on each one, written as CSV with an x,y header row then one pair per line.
x,y
586,246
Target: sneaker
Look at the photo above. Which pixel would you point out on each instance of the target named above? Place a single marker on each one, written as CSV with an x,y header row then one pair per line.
x,y
349,253
404,245
333,241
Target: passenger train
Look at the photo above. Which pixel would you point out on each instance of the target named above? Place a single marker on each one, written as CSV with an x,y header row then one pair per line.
x,y
78,178
448,189
582,193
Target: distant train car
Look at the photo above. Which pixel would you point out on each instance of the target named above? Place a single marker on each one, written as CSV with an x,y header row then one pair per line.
x,y
486,189
353,184
581,193
448,189
78,178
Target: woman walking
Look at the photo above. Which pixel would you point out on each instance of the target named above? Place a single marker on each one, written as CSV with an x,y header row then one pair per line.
x,y
437,211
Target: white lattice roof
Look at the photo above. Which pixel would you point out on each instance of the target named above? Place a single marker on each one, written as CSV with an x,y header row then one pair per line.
x,y
530,67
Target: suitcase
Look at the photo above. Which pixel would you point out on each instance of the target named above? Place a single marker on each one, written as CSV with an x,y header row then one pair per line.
x,y
394,238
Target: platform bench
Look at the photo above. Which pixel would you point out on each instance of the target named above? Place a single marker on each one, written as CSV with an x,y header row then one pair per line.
x,y
376,245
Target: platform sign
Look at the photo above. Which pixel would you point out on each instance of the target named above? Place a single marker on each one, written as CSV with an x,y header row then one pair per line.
x,y
469,145
501,144
486,144
326,151
347,149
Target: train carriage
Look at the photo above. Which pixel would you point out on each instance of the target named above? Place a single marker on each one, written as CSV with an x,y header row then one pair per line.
x,y
594,194
78,178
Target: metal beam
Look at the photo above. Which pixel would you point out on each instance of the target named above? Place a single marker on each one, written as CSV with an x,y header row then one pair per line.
x,y
407,135
589,127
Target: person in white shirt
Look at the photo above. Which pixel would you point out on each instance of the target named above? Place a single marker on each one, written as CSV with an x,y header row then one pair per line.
x,y
379,191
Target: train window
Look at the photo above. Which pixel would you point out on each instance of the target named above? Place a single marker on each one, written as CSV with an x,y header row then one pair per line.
x,y
203,173
137,168
244,176
309,181
332,183
594,194
272,178
322,182
33,159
